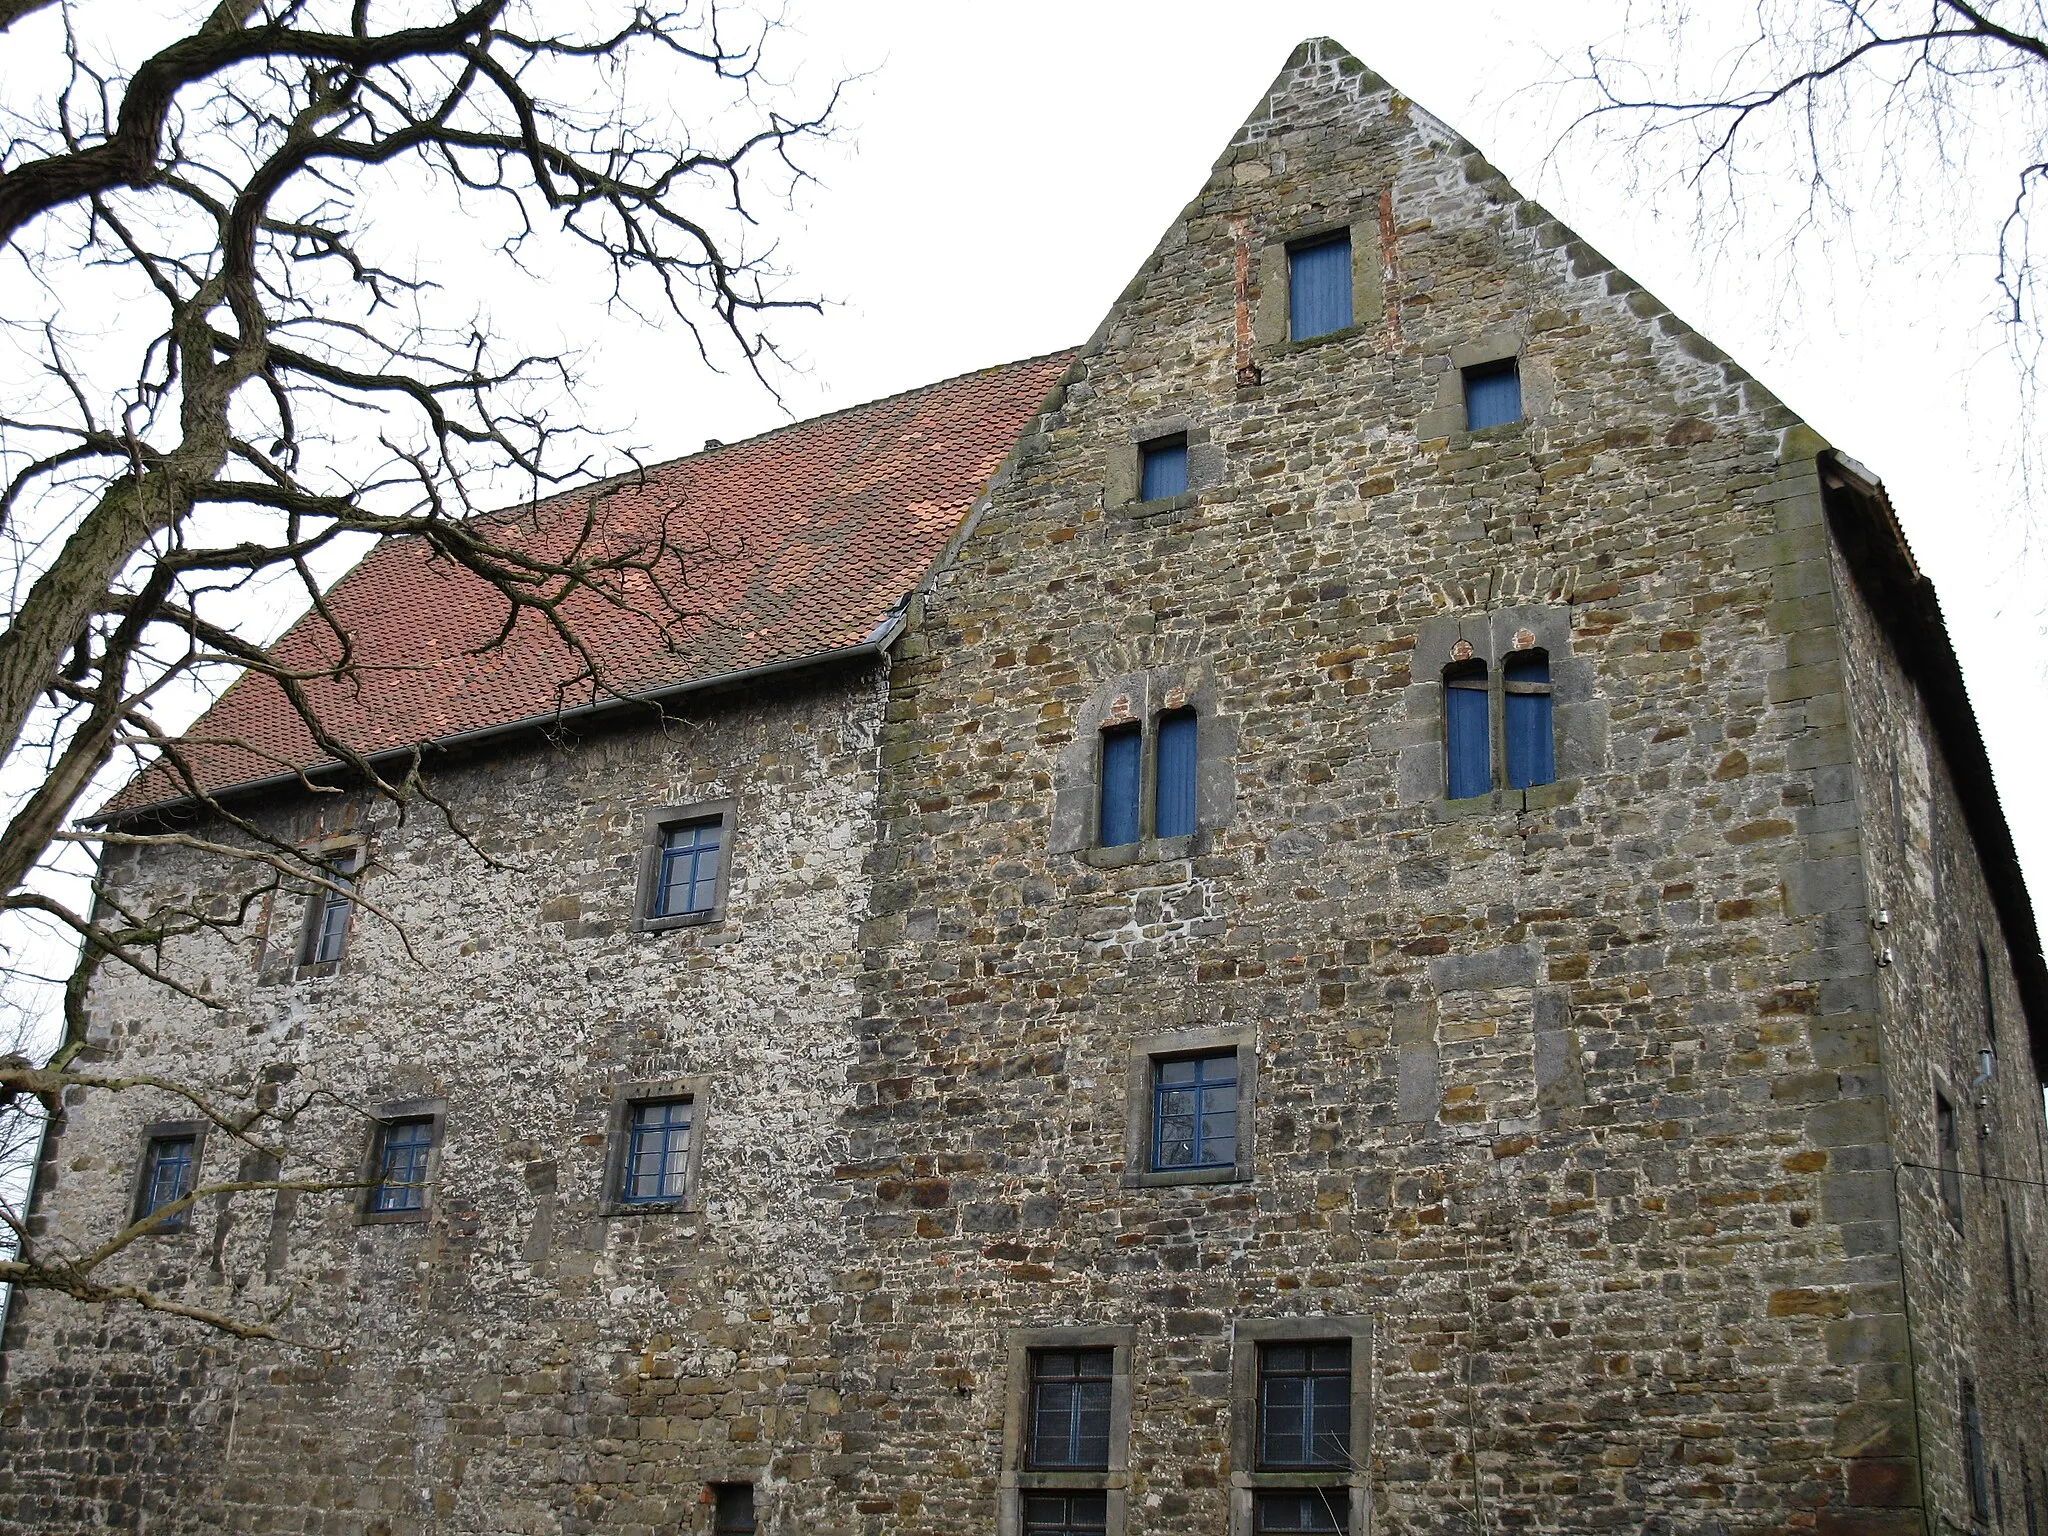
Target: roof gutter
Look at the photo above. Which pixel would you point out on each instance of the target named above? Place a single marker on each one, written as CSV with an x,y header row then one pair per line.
x,y
875,645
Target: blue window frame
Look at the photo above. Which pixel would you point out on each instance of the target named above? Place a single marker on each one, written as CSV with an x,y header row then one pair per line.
x,y
1319,287
1493,395
168,1175
1066,1514
1174,804
1122,748
1194,1112
1070,1409
657,1159
1468,750
691,857
1305,1404
1305,1510
327,921
1162,469
1532,749
403,1149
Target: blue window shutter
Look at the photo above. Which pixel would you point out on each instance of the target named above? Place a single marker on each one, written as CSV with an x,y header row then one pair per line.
x,y
1164,470
1493,395
1319,288
1466,747
1532,754
1174,808
1120,748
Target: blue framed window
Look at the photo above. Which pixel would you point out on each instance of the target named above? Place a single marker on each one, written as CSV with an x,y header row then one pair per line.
x,y
1532,749
403,1150
1065,1514
1162,469
328,915
1122,749
1493,395
732,1509
1070,1392
657,1157
692,855
1194,1112
170,1171
1305,1405
1468,749
1174,803
1306,1510
1319,287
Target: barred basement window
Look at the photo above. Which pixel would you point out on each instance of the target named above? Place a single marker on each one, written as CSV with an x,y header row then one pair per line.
x,y
1493,395
1319,287
1468,748
1300,1425
1066,1432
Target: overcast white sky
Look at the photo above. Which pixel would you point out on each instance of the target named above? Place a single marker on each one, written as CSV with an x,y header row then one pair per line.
x,y
1007,168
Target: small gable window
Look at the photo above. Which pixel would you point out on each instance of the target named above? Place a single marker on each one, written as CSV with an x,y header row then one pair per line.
x,y
1122,749
1493,395
1175,804
327,914
1468,751
1319,287
1531,743
1163,468
169,1173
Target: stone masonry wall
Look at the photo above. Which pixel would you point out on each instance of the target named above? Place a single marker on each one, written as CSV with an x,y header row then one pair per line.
x,y
1976,1312
520,1362
1573,1096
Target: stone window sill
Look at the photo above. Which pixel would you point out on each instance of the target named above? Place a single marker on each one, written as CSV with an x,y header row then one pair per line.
x,y
393,1218
1540,797
1348,333
613,1208
684,920
1164,1178
1147,850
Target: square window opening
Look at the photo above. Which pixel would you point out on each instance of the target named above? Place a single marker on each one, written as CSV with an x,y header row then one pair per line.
x,y
404,1154
1493,395
170,1172
1305,1405
656,1164
1319,287
1194,1112
1163,468
732,1509
1070,1409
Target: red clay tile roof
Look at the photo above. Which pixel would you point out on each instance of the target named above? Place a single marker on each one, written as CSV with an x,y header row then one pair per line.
x,y
795,543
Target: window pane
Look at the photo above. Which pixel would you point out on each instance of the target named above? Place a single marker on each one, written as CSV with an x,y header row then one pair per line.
x,y
1312,1509
1305,1405
1070,1392
1466,750
169,1174
402,1166
658,1151
1319,288
1163,469
688,879
1493,396
1065,1514
1175,804
1194,1112
1120,748
330,908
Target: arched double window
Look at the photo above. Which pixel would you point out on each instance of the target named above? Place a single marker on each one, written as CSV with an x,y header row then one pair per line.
x,y
1528,726
1121,814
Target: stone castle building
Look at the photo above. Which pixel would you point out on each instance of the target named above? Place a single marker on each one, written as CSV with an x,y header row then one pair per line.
x,y
1370,903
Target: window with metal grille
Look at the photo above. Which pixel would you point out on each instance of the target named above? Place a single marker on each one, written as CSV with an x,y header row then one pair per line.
x,y
1973,1454
403,1151
1468,749
1305,1404
1065,1514
1319,287
327,913
732,1509
1070,1400
169,1173
1174,803
686,883
657,1155
1946,1133
1493,395
1194,1112
1531,741
1122,749
1311,1509
1162,468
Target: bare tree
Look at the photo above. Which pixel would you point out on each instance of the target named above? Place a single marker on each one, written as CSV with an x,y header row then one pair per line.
x,y
279,390
1905,131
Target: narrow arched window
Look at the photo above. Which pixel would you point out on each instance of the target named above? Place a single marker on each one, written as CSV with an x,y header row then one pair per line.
x,y
1468,754
1122,747
1532,749
1174,805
